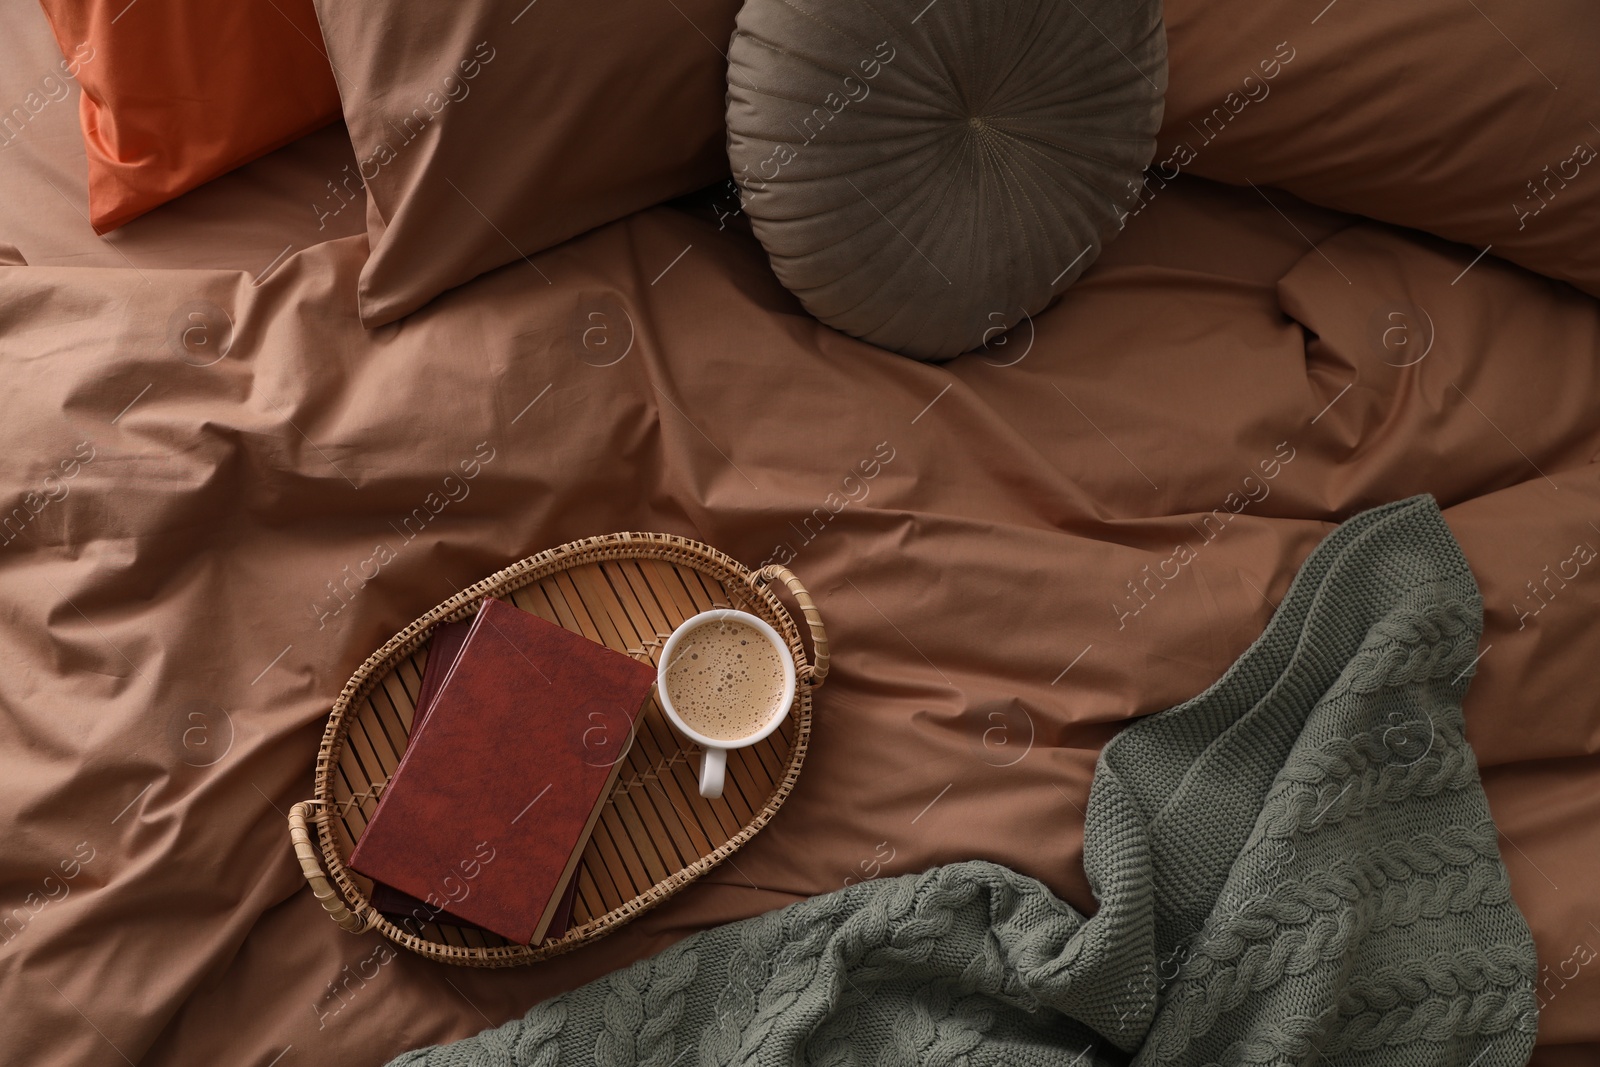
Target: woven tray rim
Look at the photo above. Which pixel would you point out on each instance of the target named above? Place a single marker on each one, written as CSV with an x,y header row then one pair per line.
x,y
671,548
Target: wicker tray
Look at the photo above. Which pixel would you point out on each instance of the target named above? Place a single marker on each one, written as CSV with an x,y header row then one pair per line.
x,y
656,834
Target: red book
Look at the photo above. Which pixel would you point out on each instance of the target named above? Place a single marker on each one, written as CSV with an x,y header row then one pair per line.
x,y
443,647
506,773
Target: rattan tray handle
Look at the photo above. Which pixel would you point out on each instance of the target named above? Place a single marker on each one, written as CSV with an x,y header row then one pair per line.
x,y
306,852
818,670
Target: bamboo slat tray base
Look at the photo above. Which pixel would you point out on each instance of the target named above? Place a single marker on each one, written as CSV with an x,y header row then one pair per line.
x,y
655,834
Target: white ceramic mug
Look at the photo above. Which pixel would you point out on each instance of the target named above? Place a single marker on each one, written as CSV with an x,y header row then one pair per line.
x,y
714,758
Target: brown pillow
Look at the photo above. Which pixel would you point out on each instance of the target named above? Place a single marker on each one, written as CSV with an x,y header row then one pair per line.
x,y
487,131
1472,119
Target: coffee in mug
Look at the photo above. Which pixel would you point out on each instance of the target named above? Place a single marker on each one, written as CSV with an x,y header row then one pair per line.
x,y
725,679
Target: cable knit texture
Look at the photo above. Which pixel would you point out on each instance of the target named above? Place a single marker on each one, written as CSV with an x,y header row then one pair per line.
x,y
1295,867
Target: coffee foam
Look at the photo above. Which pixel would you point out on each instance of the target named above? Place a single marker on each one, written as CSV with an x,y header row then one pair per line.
x,y
725,679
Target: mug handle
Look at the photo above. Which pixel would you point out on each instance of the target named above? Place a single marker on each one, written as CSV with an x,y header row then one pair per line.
x,y
814,673
713,770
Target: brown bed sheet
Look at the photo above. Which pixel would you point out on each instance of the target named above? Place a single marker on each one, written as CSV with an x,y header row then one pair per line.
x,y
995,592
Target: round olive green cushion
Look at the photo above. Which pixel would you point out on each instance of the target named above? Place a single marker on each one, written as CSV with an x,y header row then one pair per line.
x,y
925,175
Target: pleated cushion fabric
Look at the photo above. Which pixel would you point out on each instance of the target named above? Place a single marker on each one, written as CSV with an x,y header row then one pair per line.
x,y
924,175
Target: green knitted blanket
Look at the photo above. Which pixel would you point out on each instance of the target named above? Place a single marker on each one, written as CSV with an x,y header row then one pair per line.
x,y
1295,867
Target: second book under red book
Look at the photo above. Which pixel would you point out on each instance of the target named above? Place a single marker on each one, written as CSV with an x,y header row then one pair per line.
x,y
505,773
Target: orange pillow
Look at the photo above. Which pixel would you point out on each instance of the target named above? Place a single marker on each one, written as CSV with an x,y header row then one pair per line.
x,y
177,92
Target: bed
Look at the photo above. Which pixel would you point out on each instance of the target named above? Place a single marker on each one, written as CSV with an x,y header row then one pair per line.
x,y
1084,522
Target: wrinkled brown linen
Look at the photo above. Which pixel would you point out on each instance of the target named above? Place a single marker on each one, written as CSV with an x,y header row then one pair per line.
x,y
487,131
1478,120
249,219
167,679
